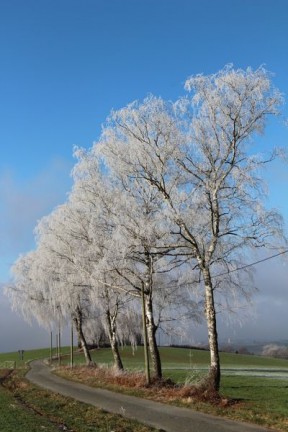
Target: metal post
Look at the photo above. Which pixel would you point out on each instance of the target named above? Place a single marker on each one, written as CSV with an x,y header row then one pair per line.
x,y
51,347
57,346
146,354
59,351
72,347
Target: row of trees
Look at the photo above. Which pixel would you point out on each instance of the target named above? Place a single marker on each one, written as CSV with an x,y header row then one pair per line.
x,y
162,211
274,350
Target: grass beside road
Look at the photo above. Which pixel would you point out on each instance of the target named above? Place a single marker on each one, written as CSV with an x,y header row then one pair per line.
x,y
28,356
16,418
179,358
27,408
259,400
172,358
263,401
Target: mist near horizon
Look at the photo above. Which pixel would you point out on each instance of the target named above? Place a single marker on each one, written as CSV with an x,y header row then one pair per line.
x,y
263,321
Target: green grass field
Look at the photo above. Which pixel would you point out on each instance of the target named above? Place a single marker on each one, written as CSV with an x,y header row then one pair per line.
x,y
27,408
180,359
259,400
28,356
15,418
172,358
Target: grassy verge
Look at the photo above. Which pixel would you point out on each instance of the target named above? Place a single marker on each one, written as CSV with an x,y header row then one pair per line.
x,y
180,358
27,408
172,358
28,356
263,401
260,400
17,418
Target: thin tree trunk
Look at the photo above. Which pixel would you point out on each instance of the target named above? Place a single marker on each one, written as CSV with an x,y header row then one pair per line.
x,y
145,342
214,372
111,321
151,327
151,332
78,320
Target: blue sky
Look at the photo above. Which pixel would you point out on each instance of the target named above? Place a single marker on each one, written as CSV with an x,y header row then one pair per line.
x,y
66,64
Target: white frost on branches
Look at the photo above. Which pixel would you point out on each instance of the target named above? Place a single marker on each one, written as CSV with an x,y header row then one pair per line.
x,y
165,206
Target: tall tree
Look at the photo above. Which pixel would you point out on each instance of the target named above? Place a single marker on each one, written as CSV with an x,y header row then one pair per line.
x,y
93,192
137,245
141,249
31,291
194,152
63,236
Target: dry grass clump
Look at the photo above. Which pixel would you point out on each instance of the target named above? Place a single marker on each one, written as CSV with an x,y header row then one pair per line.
x,y
163,390
104,375
3,374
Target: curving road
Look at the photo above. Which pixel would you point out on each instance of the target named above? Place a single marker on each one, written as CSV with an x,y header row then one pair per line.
x,y
164,417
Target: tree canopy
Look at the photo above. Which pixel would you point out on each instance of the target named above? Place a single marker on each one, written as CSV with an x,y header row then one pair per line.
x,y
164,207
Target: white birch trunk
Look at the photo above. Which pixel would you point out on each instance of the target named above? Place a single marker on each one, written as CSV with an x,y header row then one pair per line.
x,y
78,324
214,373
111,321
151,333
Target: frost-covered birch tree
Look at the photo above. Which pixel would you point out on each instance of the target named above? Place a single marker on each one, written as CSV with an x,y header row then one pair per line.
x,y
142,251
94,193
197,153
64,236
31,290
168,183
136,241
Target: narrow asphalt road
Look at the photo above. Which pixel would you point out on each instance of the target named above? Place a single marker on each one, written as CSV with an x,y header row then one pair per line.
x,y
164,417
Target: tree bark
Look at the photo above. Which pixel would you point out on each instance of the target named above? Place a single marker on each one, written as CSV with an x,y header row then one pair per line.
x,y
151,333
111,321
150,324
214,372
78,320
145,339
